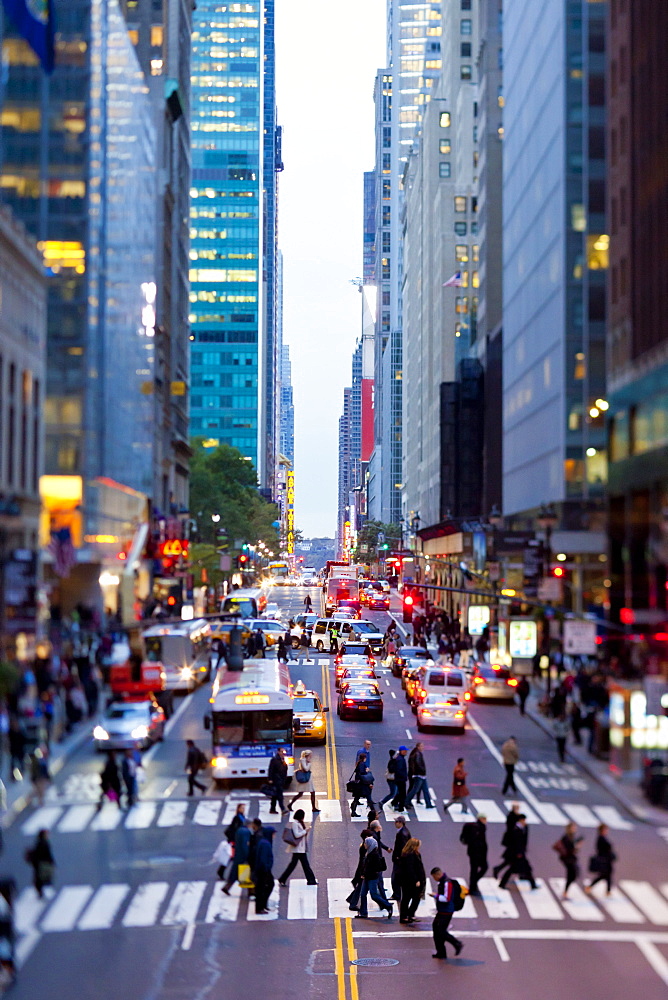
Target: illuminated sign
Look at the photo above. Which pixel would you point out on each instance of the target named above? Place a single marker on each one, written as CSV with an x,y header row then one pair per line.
x,y
290,513
522,638
173,548
252,698
478,618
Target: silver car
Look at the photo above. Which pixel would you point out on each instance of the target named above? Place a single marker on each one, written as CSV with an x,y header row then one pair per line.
x,y
127,723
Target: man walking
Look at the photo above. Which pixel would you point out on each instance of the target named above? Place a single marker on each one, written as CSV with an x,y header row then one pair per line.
x,y
129,774
262,861
276,775
195,761
417,772
400,778
474,836
402,836
308,607
445,908
366,750
510,755
506,840
523,691
517,854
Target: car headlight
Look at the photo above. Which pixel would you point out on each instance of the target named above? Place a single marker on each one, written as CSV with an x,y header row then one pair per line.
x,y
100,734
219,762
139,733
186,673
319,723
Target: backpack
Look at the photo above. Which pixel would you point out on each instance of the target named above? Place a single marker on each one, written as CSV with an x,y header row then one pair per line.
x,y
468,834
203,759
391,765
559,847
459,894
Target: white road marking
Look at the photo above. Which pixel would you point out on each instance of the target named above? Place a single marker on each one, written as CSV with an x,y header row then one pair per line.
x,y
581,815
173,814
468,910
184,904
426,815
188,936
76,819
25,947
498,902
550,814
401,712
540,903
103,907
409,734
63,913
501,948
655,958
617,905
170,788
207,811
578,905
386,681
361,816
272,906
108,817
145,905
44,819
140,816
338,889
302,900
646,898
27,910
268,817
612,818
222,906
393,694
525,808
330,811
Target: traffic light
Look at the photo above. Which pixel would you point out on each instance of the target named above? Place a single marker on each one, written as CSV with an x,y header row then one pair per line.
x,y
559,572
242,562
408,604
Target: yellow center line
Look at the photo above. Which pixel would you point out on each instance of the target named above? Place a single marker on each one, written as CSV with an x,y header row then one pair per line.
x,y
352,955
332,743
338,959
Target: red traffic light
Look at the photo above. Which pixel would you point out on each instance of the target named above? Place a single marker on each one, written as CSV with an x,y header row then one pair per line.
x,y
559,572
409,600
243,559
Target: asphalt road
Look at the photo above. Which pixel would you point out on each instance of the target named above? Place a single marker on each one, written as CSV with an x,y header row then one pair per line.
x,y
137,910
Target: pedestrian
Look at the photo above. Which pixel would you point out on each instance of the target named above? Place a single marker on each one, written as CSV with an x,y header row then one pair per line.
x,y
523,691
474,836
263,863
511,820
195,761
281,651
460,792
260,643
417,772
400,779
363,784
373,866
334,638
366,750
353,899
251,645
242,839
560,729
602,862
222,857
510,755
389,777
305,783
376,831
287,642
40,857
413,880
110,781
39,772
401,838
304,641
297,847
567,848
308,606
517,854
17,749
445,908
277,774
129,774
237,820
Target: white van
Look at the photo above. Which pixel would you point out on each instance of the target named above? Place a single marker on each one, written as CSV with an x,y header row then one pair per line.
x,y
322,633
441,680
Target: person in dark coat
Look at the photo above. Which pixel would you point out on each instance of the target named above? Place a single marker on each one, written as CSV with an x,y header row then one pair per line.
x,y
567,848
110,781
242,839
474,835
372,868
603,861
276,776
262,864
389,777
237,820
511,820
413,880
400,779
353,900
417,771
517,854
40,858
402,836
444,912
281,651
195,760
523,692
363,779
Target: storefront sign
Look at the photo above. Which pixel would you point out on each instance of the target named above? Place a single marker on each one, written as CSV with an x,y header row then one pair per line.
x,y
522,638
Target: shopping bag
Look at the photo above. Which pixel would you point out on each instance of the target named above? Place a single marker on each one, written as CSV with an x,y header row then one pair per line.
x,y
244,877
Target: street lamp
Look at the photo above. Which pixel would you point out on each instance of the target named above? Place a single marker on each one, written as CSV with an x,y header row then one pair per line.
x,y
215,518
547,518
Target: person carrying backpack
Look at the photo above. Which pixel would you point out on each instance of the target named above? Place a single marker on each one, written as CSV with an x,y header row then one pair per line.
x,y
448,898
195,761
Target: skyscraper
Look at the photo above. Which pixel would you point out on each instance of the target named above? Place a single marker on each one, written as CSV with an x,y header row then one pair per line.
x,y
235,156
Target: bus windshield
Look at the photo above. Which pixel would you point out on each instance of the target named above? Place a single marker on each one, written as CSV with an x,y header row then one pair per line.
x,y
246,606
153,649
233,728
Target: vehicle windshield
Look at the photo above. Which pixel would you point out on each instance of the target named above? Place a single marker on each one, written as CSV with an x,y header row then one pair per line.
x,y
153,649
246,606
354,650
415,653
125,711
269,625
305,705
365,627
263,726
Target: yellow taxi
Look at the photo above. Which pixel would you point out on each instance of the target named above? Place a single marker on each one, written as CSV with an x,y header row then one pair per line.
x,y
308,715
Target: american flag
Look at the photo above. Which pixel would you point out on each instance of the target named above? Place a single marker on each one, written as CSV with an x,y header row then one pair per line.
x,y
455,281
64,553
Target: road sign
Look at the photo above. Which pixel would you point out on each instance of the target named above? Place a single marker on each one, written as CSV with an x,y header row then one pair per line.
x,y
579,637
550,589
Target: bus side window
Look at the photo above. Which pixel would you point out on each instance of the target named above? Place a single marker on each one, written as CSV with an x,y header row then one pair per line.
x,y
135,668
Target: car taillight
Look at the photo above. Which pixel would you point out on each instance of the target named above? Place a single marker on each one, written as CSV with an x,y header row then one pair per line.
x,y
459,715
477,680
423,693
467,696
512,682
347,701
426,714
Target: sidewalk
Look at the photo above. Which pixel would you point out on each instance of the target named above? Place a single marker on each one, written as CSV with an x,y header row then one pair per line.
x,y
625,788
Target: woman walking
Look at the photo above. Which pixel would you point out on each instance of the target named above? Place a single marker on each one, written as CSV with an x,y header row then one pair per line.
x,y
567,848
372,868
305,783
41,860
389,777
413,879
110,782
353,900
297,848
363,780
601,864
460,792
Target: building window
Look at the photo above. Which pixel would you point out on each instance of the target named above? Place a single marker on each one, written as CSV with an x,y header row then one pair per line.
x,y
578,217
444,147
461,253
465,50
444,119
597,252
465,26
444,169
462,305
460,228
466,4
465,72
386,162
386,242
460,203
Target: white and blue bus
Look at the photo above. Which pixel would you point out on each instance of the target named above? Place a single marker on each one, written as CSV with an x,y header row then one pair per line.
x,y
250,718
248,602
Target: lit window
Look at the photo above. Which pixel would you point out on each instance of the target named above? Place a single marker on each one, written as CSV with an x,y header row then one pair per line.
x,y
460,203
461,252
461,304
444,147
578,217
444,119
597,252
465,72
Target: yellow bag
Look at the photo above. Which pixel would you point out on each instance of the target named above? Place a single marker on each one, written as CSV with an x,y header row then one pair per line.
x,y
244,877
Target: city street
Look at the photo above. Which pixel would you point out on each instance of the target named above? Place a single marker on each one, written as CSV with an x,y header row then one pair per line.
x,y
137,899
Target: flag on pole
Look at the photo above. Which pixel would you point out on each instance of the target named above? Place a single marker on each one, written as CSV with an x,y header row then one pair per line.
x,y
455,281
63,551
33,20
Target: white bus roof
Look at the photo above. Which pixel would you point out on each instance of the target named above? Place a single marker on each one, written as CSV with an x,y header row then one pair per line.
x,y
182,628
262,677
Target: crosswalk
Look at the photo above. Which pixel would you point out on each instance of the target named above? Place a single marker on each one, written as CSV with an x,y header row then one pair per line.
x,y
154,904
164,814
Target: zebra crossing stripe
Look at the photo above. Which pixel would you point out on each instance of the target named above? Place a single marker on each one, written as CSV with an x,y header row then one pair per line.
x,y
76,819
173,814
302,900
108,817
272,905
647,899
617,906
581,815
28,908
498,902
223,907
207,811
145,905
540,903
140,816
184,904
63,913
550,814
103,907
612,818
578,905
44,819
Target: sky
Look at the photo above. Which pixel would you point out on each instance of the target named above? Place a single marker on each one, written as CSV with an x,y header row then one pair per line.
x,y
327,54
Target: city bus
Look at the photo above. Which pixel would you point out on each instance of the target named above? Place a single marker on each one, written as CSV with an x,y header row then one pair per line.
x,y
249,603
278,572
182,650
250,718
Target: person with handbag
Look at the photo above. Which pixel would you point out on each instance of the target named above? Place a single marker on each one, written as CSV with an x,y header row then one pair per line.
x,y
242,839
361,784
222,857
567,848
40,857
389,777
295,836
602,863
373,866
353,900
304,779
460,792
413,880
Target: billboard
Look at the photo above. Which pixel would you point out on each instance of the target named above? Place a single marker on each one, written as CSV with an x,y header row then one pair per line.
x,y
290,513
522,638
